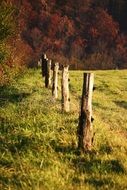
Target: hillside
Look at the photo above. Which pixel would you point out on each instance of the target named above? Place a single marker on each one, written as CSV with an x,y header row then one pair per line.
x,y
86,34
39,143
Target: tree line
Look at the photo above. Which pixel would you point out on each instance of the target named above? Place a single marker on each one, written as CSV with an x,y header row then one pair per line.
x,y
86,34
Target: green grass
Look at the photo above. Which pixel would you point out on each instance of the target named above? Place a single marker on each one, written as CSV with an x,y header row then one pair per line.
x,y
38,143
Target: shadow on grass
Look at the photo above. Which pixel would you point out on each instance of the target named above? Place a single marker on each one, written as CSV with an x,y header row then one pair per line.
x,y
66,150
16,143
91,165
3,181
100,183
105,148
98,166
10,94
122,104
12,179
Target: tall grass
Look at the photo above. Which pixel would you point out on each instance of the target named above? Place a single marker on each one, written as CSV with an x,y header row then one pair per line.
x,y
39,143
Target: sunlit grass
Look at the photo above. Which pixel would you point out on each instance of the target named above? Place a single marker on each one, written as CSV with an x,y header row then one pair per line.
x,y
38,143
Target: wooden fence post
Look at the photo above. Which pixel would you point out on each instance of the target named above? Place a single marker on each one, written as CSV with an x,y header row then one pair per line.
x,y
85,130
48,74
39,63
45,56
55,80
65,89
43,64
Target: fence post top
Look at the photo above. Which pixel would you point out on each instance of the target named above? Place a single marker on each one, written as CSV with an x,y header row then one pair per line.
x,y
45,56
49,60
65,66
56,64
92,74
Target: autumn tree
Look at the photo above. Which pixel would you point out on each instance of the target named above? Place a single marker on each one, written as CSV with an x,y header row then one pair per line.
x,y
6,27
84,33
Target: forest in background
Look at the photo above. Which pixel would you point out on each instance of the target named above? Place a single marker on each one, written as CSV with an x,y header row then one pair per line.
x,y
87,34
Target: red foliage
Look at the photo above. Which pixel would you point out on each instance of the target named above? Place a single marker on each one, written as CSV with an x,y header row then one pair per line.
x,y
68,28
121,51
107,28
36,36
100,25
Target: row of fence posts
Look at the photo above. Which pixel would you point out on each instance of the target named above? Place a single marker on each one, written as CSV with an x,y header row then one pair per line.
x,y
85,127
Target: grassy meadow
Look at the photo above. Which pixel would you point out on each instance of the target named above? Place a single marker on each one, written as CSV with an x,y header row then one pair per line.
x,y
38,143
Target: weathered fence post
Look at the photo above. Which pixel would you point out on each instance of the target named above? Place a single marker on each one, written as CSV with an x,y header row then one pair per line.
x,y
85,130
55,80
65,89
43,64
48,74
39,63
